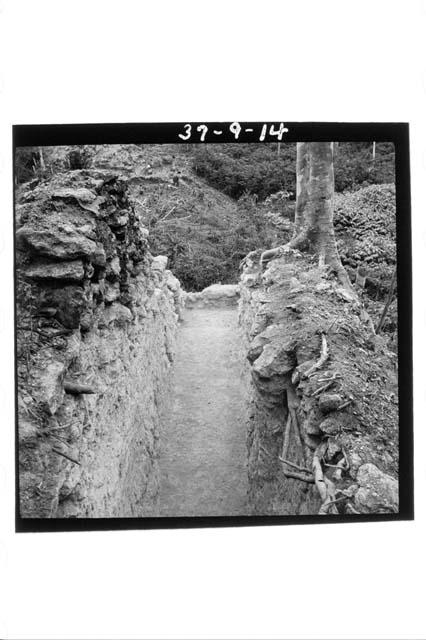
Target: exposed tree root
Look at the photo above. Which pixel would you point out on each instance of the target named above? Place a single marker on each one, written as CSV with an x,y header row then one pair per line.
x,y
322,359
297,475
295,466
295,423
351,509
325,487
266,256
298,472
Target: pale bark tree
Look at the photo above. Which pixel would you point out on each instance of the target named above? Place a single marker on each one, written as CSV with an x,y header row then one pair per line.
x,y
42,163
302,177
313,229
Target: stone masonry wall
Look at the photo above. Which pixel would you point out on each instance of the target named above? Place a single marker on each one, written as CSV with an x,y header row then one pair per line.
x,y
97,317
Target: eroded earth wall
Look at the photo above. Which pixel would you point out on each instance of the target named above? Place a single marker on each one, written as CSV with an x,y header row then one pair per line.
x,y
323,395
96,321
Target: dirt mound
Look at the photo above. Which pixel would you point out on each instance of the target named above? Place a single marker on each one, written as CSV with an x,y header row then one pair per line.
x,y
324,386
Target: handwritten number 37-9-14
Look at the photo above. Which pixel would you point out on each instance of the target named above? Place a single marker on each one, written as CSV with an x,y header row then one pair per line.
x,y
235,128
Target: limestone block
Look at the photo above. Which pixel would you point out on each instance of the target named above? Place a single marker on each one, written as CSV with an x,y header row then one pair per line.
x,y
329,402
113,268
274,360
50,392
116,313
172,282
159,263
112,291
61,241
69,270
82,194
216,291
378,491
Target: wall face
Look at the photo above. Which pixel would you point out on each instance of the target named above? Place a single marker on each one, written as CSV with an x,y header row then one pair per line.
x,y
97,317
342,415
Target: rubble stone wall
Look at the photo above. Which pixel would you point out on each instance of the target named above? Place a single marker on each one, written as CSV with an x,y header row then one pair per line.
x,y
97,318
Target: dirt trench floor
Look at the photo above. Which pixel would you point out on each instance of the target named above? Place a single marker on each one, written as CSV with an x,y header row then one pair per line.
x,y
203,441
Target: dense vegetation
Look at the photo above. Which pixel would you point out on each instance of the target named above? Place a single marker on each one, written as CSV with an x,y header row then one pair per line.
x,y
241,198
206,235
263,169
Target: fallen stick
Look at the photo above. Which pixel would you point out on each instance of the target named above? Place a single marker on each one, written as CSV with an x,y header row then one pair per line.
x,y
298,476
295,422
319,478
322,359
337,500
64,455
295,466
286,440
76,389
335,376
333,466
324,387
345,404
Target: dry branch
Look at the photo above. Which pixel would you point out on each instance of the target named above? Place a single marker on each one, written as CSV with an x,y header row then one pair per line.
x,y
65,455
286,440
295,466
297,475
324,387
295,422
344,405
76,389
325,487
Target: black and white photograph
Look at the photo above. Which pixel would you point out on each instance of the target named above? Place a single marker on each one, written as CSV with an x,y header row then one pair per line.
x,y
208,329
212,320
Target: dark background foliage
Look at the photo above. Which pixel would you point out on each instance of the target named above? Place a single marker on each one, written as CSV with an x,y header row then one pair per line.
x,y
263,169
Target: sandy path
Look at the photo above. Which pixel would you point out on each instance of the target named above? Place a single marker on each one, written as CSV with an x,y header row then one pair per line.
x,y
203,448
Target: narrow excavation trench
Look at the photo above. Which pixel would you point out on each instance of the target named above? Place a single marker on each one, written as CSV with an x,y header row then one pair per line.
x,y
203,437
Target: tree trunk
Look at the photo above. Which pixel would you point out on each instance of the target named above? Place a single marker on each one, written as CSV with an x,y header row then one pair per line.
x,y
314,208
302,175
319,216
42,163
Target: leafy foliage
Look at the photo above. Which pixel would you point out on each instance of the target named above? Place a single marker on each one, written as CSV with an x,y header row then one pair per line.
x,y
264,169
236,169
27,164
205,239
354,166
365,225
